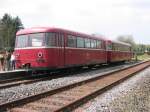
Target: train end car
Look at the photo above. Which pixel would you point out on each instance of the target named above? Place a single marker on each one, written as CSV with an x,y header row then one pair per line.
x,y
118,51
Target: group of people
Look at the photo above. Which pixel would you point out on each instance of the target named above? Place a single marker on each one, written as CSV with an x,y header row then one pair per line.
x,y
7,61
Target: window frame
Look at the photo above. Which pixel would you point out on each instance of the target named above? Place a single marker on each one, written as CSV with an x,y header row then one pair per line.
x,y
17,41
87,40
83,44
47,41
100,45
59,38
31,37
74,42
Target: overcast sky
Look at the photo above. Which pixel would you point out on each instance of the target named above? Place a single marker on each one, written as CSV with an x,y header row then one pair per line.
x,y
107,17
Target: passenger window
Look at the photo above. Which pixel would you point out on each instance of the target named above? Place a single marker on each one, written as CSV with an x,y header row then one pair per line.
x,y
51,39
80,42
109,46
99,44
94,44
71,41
87,43
113,46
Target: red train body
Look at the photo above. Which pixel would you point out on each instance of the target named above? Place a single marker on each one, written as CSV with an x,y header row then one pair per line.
x,y
54,48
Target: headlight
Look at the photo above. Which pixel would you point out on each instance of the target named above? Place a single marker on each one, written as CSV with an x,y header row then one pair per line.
x,y
40,54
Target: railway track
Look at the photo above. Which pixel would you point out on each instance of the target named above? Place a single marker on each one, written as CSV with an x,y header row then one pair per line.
x,y
22,80
71,96
25,78
28,79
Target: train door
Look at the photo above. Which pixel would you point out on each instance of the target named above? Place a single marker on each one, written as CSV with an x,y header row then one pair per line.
x,y
71,54
60,44
109,51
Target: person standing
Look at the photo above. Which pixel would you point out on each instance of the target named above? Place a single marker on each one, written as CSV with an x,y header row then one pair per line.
x,y
2,61
12,60
7,60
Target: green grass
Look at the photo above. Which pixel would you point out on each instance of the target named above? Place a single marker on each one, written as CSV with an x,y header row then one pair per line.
x,y
143,57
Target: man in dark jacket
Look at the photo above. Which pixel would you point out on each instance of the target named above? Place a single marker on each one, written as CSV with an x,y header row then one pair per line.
x,y
7,59
1,61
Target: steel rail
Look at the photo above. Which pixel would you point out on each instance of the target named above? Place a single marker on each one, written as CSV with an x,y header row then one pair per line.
x,y
83,98
23,81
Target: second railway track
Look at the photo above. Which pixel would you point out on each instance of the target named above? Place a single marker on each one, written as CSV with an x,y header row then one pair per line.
x,y
22,80
71,96
25,78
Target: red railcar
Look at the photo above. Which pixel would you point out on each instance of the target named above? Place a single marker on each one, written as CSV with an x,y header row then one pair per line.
x,y
118,51
53,48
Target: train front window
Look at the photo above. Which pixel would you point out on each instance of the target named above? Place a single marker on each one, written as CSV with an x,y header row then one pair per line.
x,y
22,41
36,40
30,40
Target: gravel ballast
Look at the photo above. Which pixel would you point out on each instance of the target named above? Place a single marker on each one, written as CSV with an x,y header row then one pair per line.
x,y
133,95
19,92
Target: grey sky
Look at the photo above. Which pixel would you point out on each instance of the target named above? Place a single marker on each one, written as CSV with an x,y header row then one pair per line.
x,y
107,17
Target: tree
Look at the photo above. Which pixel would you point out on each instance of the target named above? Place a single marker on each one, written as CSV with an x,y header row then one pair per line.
x,y
9,26
0,36
127,39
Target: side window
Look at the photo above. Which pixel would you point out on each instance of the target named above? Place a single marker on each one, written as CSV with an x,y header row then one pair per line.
x,y
93,43
121,48
112,46
117,47
126,48
71,42
130,48
87,43
80,42
109,46
99,44
51,39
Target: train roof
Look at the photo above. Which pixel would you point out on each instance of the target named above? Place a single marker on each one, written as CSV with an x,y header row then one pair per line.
x,y
119,42
53,29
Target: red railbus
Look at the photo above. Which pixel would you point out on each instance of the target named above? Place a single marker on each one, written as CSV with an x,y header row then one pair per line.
x,y
55,48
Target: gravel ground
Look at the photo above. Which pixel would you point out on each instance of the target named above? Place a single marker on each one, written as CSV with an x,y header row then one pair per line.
x,y
22,91
132,95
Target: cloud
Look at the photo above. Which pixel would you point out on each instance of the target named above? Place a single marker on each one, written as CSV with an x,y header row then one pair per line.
x,y
108,17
